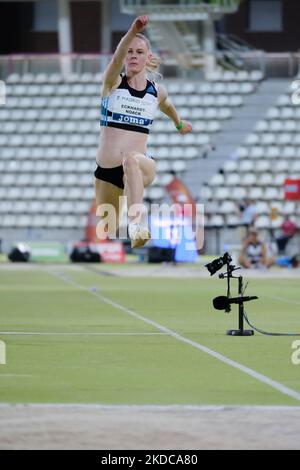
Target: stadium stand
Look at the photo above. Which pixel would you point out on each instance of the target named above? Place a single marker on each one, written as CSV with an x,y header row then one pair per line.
x,y
258,169
49,133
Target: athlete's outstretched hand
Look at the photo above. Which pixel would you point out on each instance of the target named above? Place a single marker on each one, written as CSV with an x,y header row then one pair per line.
x,y
140,24
186,128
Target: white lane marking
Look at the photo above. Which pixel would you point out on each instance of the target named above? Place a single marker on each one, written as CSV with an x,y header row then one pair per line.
x,y
252,373
15,375
281,299
175,407
29,333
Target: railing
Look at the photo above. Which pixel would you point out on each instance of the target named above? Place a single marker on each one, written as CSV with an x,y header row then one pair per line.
x,y
272,65
164,9
52,63
228,4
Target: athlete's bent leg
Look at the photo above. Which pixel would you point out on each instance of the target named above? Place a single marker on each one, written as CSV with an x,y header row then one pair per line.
x,y
133,182
139,172
108,201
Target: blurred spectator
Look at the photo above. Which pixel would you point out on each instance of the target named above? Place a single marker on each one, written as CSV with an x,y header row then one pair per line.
x,y
288,261
248,215
248,212
288,230
254,252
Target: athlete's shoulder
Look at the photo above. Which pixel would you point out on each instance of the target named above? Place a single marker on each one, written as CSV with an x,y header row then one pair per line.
x,y
151,88
109,89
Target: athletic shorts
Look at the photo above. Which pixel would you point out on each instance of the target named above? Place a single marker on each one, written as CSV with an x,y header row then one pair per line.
x,y
113,175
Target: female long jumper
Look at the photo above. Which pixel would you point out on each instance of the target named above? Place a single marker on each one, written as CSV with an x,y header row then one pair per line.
x,y
129,102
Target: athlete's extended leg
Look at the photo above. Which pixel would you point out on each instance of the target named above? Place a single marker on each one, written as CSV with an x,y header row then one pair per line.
x,y
139,172
108,208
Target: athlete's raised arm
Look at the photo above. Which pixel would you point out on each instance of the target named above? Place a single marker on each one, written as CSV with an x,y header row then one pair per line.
x,y
113,70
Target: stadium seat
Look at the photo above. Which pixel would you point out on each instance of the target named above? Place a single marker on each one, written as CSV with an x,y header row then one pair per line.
x,y
295,166
177,166
45,193
55,78
205,193
276,223
233,179
271,193
256,75
155,193
227,207
289,207
256,193
249,179
23,221
262,221
232,220
289,152
9,221
279,179
6,207
216,221
272,152
239,193
284,100
246,166
217,180
266,179
262,207
263,166
230,166
221,193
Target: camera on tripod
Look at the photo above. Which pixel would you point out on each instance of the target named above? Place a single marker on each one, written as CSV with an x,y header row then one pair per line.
x,y
218,263
224,302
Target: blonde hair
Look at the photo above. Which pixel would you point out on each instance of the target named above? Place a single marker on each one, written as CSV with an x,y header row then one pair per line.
x,y
155,61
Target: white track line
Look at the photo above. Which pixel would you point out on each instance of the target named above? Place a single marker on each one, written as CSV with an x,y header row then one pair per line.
x,y
262,378
102,407
15,375
29,333
281,299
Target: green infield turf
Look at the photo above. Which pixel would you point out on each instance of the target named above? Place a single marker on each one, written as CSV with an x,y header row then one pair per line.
x,y
98,338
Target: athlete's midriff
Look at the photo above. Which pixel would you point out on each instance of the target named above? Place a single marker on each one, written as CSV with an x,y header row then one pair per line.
x,y
115,143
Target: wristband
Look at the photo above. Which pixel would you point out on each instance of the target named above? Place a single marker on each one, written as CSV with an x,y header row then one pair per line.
x,y
180,126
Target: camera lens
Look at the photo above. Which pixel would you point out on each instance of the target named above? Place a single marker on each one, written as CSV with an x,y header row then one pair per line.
x,y
218,263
